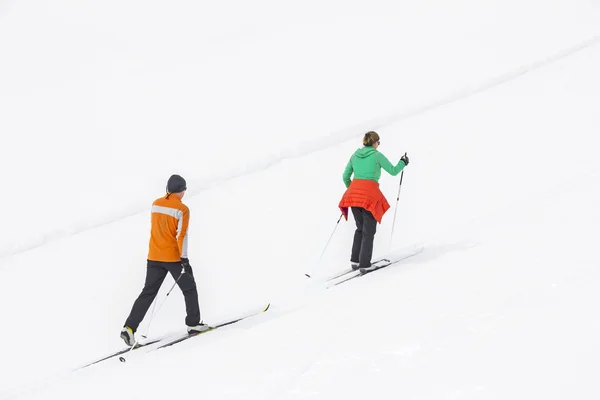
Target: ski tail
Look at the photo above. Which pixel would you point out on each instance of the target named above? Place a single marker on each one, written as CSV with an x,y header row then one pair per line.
x,y
118,353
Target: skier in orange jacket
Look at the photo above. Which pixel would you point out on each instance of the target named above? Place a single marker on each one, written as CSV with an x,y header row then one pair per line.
x,y
167,253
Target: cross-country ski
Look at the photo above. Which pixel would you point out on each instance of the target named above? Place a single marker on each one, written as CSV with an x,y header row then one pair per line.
x,y
155,344
211,328
375,266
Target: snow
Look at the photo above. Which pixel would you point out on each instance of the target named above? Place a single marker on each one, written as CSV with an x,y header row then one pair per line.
x,y
259,105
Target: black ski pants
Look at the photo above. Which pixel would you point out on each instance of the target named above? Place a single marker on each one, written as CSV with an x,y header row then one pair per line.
x,y
156,272
362,247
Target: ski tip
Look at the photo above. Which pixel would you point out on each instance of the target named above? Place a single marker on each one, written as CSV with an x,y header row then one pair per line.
x,y
307,275
267,307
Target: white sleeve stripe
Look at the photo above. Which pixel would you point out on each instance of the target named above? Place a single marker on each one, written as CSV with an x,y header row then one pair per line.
x,y
184,247
184,244
179,225
173,212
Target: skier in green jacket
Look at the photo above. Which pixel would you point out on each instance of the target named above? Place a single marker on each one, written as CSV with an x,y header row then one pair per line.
x,y
364,197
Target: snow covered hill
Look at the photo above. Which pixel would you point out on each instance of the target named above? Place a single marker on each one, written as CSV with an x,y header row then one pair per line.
x,y
259,106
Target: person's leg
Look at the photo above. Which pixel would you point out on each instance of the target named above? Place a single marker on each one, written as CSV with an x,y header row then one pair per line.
x,y
187,284
358,235
368,236
155,275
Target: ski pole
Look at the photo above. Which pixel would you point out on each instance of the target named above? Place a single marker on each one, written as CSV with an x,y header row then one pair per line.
x,y
396,208
161,304
145,335
330,237
122,358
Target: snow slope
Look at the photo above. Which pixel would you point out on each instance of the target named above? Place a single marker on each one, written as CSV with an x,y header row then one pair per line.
x,y
502,190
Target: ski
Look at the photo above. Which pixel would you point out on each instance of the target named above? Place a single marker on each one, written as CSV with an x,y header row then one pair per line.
x,y
165,341
350,270
363,271
211,328
118,353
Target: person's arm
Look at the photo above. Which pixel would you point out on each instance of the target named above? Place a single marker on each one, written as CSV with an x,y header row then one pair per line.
x,y
182,237
348,173
388,167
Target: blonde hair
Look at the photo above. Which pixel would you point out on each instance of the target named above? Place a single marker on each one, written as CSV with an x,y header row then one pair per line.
x,y
370,138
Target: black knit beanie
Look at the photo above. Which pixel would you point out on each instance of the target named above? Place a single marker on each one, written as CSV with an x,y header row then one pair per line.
x,y
176,184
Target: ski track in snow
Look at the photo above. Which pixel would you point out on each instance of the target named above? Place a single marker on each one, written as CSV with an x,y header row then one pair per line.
x,y
333,139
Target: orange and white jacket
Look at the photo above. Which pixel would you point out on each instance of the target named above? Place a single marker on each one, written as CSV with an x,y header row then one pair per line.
x,y
168,234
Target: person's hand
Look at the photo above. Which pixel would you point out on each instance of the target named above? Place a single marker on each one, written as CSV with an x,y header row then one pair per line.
x,y
405,159
185,263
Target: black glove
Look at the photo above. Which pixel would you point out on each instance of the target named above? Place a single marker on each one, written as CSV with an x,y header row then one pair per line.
x,y
185,263
405,159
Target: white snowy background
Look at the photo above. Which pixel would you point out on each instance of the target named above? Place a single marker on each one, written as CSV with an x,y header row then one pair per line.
x,y
259,105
